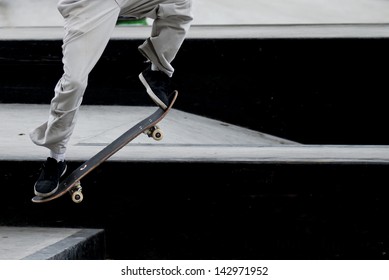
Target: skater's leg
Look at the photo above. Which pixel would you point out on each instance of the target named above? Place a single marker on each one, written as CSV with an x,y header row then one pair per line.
x,y
88,27
172,19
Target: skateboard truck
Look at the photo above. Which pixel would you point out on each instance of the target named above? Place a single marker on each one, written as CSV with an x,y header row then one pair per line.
x,y
155,132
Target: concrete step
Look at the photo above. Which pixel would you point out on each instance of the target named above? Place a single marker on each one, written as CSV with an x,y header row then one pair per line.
x,y
44,243
99,125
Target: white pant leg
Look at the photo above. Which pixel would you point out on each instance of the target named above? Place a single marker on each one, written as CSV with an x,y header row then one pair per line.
x,y
172,19
88,28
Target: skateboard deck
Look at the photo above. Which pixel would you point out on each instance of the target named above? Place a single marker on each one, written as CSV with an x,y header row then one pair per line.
x,y
72,183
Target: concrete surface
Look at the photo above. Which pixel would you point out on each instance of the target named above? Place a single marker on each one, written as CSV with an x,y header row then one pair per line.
x,y
99,125
44,12
40,243
187,137
18,243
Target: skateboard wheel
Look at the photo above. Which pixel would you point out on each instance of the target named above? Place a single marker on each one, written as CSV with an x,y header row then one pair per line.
x,y
77,196
157,134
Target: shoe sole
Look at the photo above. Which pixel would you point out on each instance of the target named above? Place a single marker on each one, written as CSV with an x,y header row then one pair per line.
x,y
53,191
151,93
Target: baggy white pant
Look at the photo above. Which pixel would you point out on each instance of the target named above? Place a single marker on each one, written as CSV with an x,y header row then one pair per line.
x,y
88,27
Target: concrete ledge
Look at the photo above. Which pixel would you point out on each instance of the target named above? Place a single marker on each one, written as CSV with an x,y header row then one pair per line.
x,y
43,243
188,138
84,244
99,125
218,31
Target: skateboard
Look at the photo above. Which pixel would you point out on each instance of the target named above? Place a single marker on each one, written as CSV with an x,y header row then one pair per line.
x,y
72,183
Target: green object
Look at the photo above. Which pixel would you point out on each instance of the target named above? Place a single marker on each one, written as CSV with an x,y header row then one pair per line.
x,y
131,21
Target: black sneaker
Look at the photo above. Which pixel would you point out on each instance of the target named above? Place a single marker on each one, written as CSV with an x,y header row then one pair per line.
x,y
48,180
157,86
